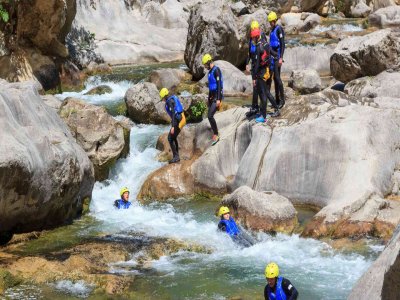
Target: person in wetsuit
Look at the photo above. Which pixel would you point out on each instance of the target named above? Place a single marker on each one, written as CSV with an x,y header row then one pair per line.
x,y
278,288
260,62
123,203
174,109
215,94
277,43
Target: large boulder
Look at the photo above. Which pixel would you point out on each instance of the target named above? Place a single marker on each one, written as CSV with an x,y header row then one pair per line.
x,y
97,132
44,174
212,29
235,81
266,211
305,81
295,22
167,78
382,279
360,10
367,55
385,17
186,144
386,84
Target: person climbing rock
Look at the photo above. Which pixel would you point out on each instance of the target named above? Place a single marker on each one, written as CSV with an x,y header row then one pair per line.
x,y
278,288
174,109
123,203
277,43
255,109
227,224
260,62
215,94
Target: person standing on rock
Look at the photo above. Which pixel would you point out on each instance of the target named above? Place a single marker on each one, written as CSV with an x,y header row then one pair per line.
x,y
278,288
255,109
174,109
260,61
123,203
215,94
277,43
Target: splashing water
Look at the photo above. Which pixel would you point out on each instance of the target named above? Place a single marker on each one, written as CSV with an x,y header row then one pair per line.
x,y
336,27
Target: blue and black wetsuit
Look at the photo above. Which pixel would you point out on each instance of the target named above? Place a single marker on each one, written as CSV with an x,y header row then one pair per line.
x,y
122,204
174,109
283,290
215,86
277,42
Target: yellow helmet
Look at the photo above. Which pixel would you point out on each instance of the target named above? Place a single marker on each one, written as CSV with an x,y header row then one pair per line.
x,y
272,16
272,270
254,25
223,210
206,58
164,92
123,190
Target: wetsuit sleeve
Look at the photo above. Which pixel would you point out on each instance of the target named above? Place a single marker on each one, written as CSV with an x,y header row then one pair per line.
x,y
218,77
171,107
272,52
249,54
221,226
116,203
256,68
266,297
289,289
281,37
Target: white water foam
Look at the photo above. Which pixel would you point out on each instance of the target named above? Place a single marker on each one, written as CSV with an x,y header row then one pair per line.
x,y
336,27
79,289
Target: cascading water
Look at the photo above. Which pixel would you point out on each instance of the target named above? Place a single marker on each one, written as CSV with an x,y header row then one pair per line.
x,y
317,271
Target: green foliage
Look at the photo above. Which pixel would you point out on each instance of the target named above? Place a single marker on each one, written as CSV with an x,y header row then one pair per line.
x,y
4,16
198,109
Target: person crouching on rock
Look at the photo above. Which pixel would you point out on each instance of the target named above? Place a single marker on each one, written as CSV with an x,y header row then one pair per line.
x,y
174,109
215,94
278,288
123,203
227,223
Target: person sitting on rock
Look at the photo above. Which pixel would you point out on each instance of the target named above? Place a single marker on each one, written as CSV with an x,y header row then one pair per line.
x,y
227,223
278,288
174,109
123,203
255,109
215,94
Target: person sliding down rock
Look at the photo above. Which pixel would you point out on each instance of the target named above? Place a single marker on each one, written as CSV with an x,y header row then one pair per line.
x,y
278,288
215,94
123,203
260,63
277,43
227,224
174,109
255,109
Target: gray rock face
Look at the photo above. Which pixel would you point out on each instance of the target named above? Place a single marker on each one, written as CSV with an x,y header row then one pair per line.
x,y
98,133
385,84
44,174
235,81
295,22
386,17
212,29
382,279
305,81
367,55
267,211
239,8
167,78
360,10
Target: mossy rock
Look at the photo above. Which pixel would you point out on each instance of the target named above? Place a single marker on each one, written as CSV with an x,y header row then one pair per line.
x,y
192,88
100,90
85,206
7,280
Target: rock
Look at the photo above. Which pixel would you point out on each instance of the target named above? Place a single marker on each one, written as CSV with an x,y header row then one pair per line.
x,y
305,81
100,90
314,6
239,8
52,102
144,104
171,181
384,84
310,22
94,68
212,29
291,22
44,174
381,280
141,31
97,132
186,144
385,17
167,78
295,9
378,4
360,10
235,81
266,211
382,48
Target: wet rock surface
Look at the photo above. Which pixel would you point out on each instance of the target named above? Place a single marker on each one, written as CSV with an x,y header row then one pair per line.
x,y
305,81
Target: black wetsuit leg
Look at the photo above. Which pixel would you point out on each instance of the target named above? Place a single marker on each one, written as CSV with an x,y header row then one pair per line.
x,y
212,109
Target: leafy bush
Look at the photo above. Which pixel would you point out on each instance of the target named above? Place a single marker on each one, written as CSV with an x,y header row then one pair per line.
x,y
198,109
4,14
